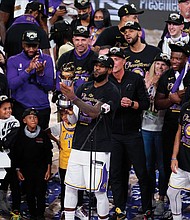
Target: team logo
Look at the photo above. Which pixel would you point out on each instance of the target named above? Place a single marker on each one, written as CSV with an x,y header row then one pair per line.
x,y
187,130
169,87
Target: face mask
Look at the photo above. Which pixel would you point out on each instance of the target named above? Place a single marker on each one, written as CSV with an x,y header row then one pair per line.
x,y
99,24
100,78
83,16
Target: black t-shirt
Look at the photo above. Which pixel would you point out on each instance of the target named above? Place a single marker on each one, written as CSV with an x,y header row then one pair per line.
x,y
141,62
184,149
13,41
165,85
83,67
111,36
102,134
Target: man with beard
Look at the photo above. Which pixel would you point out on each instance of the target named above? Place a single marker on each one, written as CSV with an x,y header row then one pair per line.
x,y
139,55
112,35
91,98
30,77
25,22
127,142
170,96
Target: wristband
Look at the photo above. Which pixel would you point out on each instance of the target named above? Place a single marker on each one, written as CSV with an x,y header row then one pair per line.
x,y
75,98
174,158
17,169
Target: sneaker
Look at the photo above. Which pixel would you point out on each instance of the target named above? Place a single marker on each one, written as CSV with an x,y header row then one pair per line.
x,y
148,215
119,214
167,215
159,210
81,213
15,215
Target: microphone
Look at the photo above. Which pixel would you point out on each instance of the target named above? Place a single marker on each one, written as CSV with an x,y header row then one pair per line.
x,y
105,108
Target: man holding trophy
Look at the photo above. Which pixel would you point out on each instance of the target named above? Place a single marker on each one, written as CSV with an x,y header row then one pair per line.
x,y
91,99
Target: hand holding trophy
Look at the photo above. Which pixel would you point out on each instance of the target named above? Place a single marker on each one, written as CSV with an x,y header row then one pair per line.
x,y
67,77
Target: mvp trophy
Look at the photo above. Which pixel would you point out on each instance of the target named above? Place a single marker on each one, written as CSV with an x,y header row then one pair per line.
x,y
67,76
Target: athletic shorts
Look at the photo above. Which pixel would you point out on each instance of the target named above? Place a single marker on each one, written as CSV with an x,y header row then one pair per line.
x,y
78,170
180,180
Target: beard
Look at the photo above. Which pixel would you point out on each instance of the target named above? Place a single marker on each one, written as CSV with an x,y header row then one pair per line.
x,y
134,41
99,78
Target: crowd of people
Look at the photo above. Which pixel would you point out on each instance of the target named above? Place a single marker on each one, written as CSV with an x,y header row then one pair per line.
x,y
120,103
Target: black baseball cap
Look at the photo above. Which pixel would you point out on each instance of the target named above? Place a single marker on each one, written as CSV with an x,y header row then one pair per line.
x,y
116,51
82,4
30,37
179,1
163,57
128,10
175,18
131,25
81,31
4,98
180,47
105,60
36,6
30,111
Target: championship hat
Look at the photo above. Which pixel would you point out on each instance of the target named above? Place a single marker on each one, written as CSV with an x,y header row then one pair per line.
x,y
131,25
180,47
30,37
128,10
36,6
116,51
163,57
82,4
30,111
4,98
175,18
105,60
179,1
81,31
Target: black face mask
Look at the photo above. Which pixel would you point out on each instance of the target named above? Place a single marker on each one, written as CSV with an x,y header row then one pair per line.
x,y
99,24
83,16
99,78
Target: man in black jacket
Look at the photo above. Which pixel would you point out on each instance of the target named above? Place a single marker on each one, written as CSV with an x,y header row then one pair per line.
x,y
127,142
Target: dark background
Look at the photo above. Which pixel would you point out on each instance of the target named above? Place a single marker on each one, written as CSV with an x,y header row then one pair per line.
x,y
155,11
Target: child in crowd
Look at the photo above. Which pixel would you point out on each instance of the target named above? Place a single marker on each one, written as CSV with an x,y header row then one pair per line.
x,y
33,158
62,134
9,127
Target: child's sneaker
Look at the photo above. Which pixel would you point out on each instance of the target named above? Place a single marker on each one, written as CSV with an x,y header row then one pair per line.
x,y
148,215
15,215
120,215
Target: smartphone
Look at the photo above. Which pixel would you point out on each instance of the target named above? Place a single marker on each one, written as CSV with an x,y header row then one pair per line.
x,y
61,7
39,52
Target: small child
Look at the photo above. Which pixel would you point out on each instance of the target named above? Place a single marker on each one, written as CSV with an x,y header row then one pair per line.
x,y
33,159
9,127
64,130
